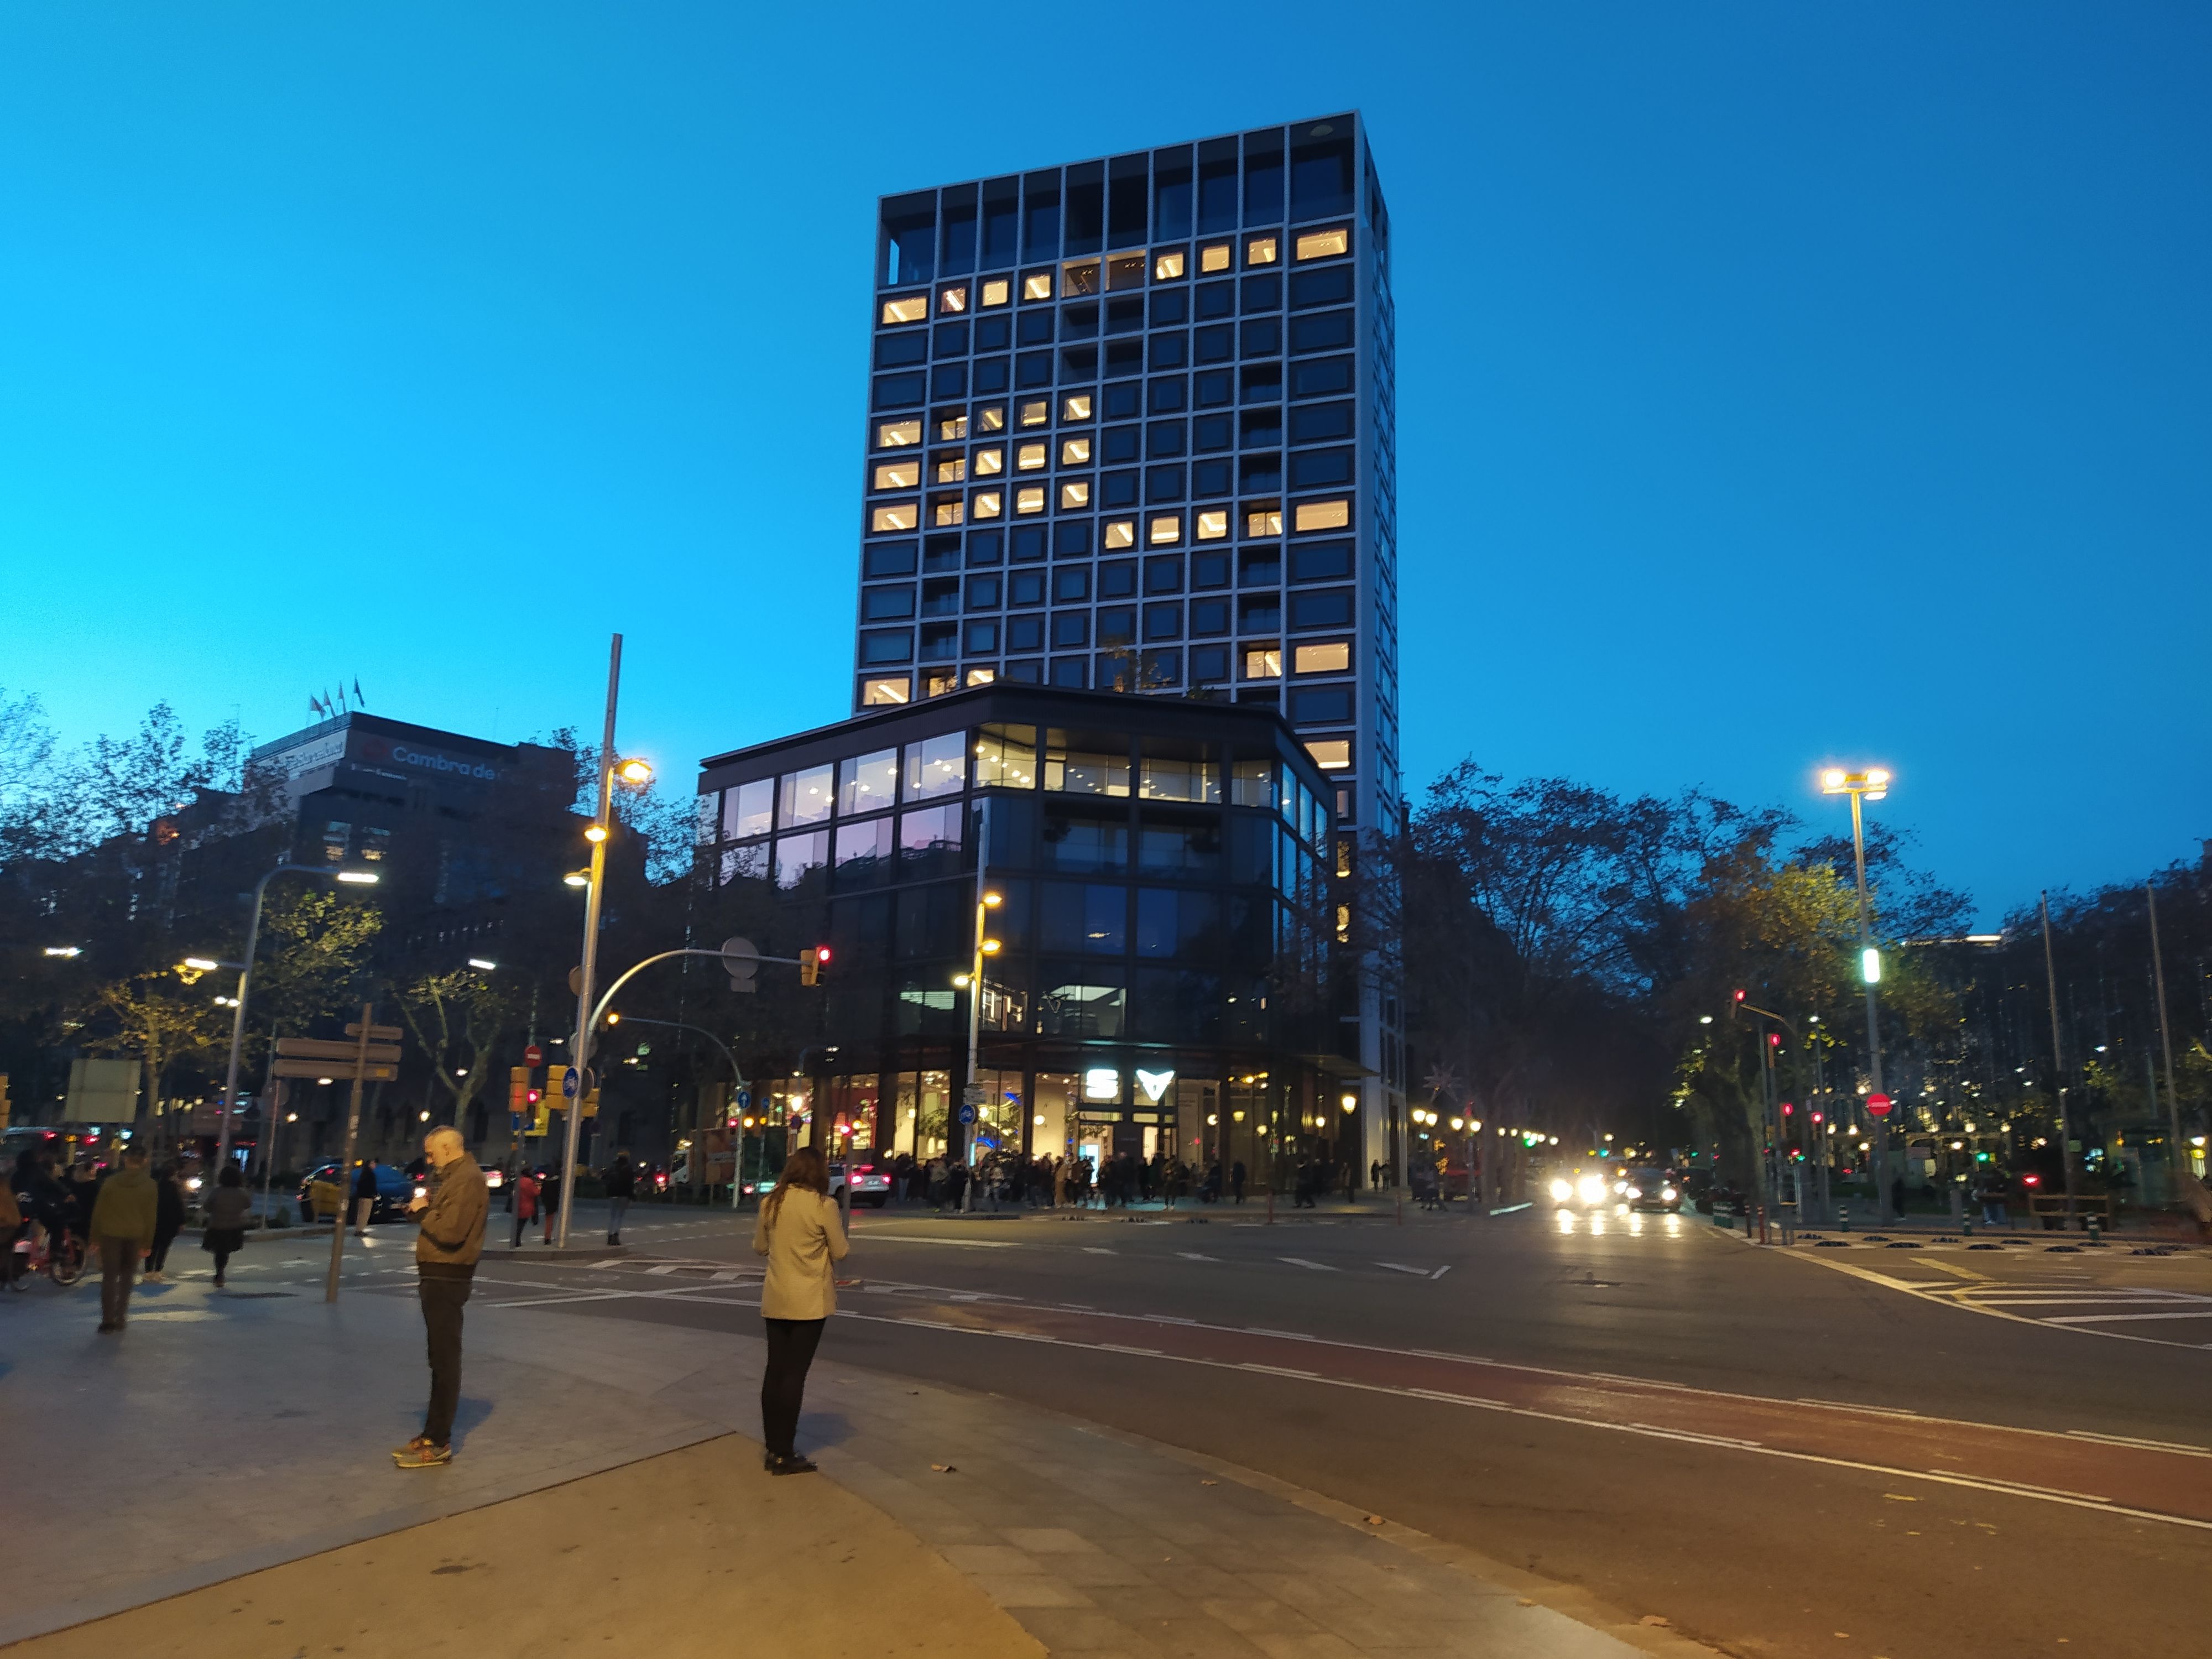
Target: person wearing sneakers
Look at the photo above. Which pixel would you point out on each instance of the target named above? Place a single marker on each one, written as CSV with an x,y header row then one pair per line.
x,y
452,1217
123,1222
798,1232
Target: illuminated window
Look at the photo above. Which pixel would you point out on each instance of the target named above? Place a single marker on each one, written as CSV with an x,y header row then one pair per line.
x,y
1038,286
1075,495
1212,526
993,419
1331,754
900,515
1075,451
1166,530
1037,413
1122,533
1344,924
996,291
988,503
1333,657
1265,523
1324,244
898,475
938,682
949,513
914,308
1263,662
1167,267
1029,458
1260,251
981,675
876,694
1323,515
952,469
1215,258
951,300
1029,500
895,434
1343,856
1077,408
951,429
1079,278
990,461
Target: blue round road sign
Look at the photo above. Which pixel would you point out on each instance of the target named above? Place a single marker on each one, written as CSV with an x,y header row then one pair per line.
x,y
571,1081
967,1113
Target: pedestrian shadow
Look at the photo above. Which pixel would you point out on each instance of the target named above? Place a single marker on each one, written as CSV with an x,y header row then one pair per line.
x,y
824,1428
469,1416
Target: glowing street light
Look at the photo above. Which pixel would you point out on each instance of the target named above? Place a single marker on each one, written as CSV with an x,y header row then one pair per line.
x,y
1870,783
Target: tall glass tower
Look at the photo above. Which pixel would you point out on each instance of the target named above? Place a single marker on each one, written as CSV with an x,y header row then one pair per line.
x,y
1131,426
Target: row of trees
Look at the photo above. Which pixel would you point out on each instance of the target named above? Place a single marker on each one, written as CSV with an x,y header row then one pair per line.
x,y
1571,960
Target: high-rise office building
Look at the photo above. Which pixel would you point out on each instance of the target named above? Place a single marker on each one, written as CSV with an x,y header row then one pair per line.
x,y
1130,427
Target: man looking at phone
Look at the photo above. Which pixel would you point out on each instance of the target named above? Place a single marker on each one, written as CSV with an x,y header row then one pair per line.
x,y
451,1218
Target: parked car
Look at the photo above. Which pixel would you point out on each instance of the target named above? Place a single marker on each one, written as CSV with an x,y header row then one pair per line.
x,y
395,1191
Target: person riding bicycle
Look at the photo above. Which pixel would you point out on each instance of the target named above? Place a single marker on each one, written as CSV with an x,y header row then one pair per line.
x,y
47,1204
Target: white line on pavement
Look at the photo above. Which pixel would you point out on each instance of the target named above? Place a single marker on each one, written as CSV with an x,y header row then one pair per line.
x,y
2105,1319
1194,1255
1441,1271
1300,1262
1400,1268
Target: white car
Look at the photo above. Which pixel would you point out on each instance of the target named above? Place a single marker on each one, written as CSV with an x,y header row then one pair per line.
x,y
872,1183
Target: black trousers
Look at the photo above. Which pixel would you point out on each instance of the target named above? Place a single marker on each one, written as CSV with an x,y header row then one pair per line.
x,y
443,1295
163,1237
790,1344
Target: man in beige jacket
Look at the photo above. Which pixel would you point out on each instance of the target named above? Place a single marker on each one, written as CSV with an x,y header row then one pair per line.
x,y
800,1233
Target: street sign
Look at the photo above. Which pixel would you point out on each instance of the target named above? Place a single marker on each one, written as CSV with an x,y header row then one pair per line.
x,y
376,1033
337,1071
344,1052
572,1082
576,980
745,1100
1878,1105
974,1095
741,962
533,1055
967,1115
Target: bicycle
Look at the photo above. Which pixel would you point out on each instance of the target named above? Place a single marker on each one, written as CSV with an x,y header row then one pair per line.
x,y
35,1250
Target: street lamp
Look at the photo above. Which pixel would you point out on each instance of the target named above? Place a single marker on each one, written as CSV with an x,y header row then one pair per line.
x,y
987,900
352,877
64,950
1870,784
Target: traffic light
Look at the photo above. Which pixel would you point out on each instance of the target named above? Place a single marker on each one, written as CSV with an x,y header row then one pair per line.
x,y
591,1104
519,1092
4,1108
811,961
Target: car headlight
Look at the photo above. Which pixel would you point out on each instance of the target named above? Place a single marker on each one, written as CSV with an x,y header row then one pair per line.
x,y
1669,1193
1561,1192
1590,1189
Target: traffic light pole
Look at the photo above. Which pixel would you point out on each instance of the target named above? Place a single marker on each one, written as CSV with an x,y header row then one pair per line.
x,y
580,1050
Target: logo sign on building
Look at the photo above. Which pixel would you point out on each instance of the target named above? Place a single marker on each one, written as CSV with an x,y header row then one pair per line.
x,y
1154,1085
1101,1083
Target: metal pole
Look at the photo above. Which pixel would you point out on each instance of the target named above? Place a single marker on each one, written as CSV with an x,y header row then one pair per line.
x,y
2057,1063
1873,1029
2177,1154
580,1050
345,1159
966,1141
237,1014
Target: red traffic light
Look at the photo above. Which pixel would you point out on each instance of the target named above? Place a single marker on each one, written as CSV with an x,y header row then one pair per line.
x,y
821,953
1786,1108
534,1095
2031,1181
1774,1039
1739,996
1878,1105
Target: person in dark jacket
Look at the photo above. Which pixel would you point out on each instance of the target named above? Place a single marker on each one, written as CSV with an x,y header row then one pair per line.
x,y
168,1221
226,1209
452,1217
621,1182
364,1196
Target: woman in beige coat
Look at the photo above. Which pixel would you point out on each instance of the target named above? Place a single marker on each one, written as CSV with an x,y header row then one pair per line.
x,y
800,1233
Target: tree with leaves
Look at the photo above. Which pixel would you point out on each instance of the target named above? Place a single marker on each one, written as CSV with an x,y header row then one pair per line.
x,y
460,1016
149,1016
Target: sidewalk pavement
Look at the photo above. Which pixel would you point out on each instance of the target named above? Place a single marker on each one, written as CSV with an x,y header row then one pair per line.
x,y
225,1436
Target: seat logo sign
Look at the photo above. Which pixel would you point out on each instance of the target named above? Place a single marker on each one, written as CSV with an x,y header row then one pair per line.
x,y
1154,1083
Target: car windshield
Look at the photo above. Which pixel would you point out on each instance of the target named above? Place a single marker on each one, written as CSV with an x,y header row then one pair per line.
x,y
1647,1179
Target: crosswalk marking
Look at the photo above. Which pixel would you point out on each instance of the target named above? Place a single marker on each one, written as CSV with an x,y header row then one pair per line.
x,y
1300,1262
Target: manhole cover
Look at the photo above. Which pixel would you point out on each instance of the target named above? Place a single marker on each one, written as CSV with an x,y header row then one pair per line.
x,y
1832,1244
1905,1244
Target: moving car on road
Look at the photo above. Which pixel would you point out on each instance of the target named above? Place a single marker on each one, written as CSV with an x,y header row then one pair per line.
x,y
1650,1190
872,1183
395,1190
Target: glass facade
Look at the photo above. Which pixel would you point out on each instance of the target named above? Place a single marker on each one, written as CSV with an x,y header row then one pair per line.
x,y
1153,891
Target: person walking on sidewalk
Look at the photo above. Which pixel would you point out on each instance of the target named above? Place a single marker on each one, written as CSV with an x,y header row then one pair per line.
x,y
168,1222
364,1196
227,1211
799,1233
452,1217
123,1219
549,1197
526,1201
620,1183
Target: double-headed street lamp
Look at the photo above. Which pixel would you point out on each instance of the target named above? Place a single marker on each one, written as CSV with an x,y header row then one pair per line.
x,y
352,877
987,900
1870,784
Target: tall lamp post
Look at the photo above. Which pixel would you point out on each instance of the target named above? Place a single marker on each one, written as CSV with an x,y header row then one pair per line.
x,y
1872,784
972,982
637,774
356,878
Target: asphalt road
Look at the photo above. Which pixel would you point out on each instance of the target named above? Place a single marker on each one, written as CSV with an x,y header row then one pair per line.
x,y
1856,1451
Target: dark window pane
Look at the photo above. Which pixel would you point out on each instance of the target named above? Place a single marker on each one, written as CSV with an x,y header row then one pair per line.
x,y
1321,561
958,222
1209,570
1263,472
1125,315
1026,586
1217,187
1164,439
1263,293
1118,489
1171,192
1171,306
1209,663
1025,634
896,350
1214,345
1070,672
1120,402
900,391
1083,917
990,374
1163,483
1208,617
1317,469
1211,478
953,339
1070,628
991,333
889,559
1037,327
887,646
1263,177
1033,368
1324,330
1263,337
1029,543
1125,357
1321,422
1070,540
1207,391
952,380
982,639
1079,363
1321,705
1117,579
1168,396
1160,667
1041,216
1263,382
1212,432
1330,286
1001,221
1080,322
1321,174
1322,379
1169,351
887,603
1127,220
941,642
1086,208
1324,607
1117,625
1163,622
1217,300
983,591
1118,443
1164,575
909,238
1024,673
1071,586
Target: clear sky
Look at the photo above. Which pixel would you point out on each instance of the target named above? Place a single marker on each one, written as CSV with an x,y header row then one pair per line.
x,y
1777,382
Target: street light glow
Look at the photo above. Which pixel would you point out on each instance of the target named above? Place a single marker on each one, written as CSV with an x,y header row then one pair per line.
x,y
577,878
203,964
64,950
994,898
359,877
1870,965
635,773
598,832
479,962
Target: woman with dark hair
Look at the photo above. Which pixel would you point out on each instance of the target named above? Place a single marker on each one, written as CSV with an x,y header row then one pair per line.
x,y
168,1221
227,1211
799,1234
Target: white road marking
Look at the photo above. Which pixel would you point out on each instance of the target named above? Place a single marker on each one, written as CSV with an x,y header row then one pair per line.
x,y
959,1243
1441,1271
1300,1262
1194,1255
2101,1319
1096,1249
2148,1445
1400,1268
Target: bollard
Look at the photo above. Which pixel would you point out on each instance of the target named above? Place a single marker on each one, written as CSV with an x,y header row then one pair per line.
x,y
1844,1217
1966,1223
2096,1229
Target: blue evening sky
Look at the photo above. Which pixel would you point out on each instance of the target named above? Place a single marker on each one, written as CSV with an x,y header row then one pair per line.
x,y
1777,382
